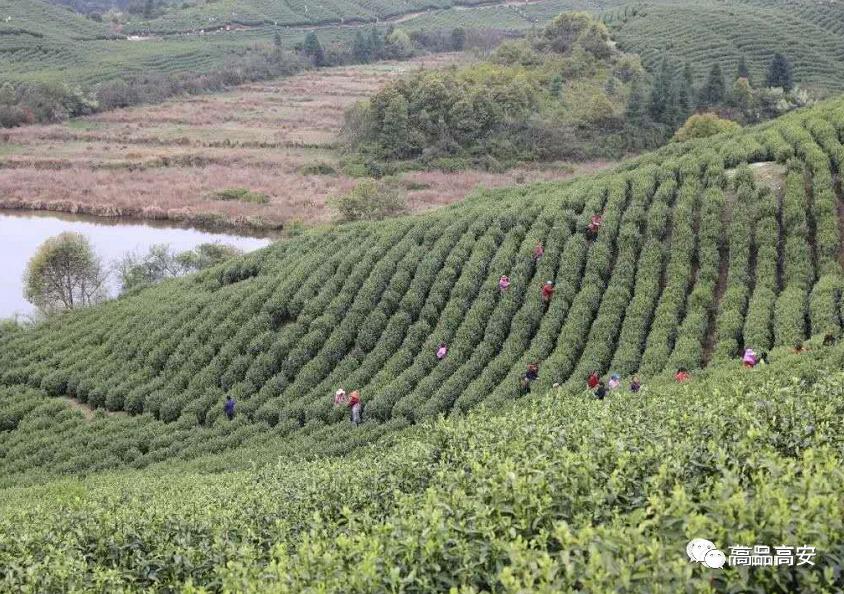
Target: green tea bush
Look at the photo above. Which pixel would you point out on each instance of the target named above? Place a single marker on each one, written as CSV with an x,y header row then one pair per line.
x,y
790,317
369,200
824,306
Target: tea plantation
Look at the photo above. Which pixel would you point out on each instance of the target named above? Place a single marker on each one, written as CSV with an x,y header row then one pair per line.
x,y
706,248
558,493
699,257
42,41
707,32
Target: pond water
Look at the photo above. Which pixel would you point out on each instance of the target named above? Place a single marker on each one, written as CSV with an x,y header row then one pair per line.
x,y
21,233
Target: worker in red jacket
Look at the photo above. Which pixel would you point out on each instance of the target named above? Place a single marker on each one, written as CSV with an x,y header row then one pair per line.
x,y
538,252
547,293
594,226
356,406
593,380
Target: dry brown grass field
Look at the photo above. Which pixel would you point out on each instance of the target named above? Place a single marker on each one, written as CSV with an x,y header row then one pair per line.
x,y
167,161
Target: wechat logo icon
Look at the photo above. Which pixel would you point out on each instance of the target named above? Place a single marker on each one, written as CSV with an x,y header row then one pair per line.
x,y
704,551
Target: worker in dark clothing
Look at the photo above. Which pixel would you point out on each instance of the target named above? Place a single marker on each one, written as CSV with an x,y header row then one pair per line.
x,y
229,408
600,391
594,226
530,376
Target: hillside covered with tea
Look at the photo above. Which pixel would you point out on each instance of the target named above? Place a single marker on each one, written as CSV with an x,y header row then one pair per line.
x,y
706,248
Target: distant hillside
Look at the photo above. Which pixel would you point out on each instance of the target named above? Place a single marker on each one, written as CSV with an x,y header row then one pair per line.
x,y
71,50
562,94
705,248
40,21
809,32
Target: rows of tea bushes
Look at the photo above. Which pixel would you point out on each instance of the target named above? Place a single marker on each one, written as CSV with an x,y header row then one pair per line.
x,y
640,310
703,33
292,13
596,273
739,243
706,248
602,497
690,342
678,274
797,269
600,343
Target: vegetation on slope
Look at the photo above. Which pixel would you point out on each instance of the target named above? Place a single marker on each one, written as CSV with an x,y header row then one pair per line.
x,y
559,493
708,32
41,42
57,64
666,284
559,95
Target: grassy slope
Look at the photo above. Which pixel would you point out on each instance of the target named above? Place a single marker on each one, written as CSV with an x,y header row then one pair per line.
x,y
559,493
168,160
40,20
363,306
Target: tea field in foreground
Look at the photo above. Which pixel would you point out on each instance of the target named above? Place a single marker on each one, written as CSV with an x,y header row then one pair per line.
x,y
556,493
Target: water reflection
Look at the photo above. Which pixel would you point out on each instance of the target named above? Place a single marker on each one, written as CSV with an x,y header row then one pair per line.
x,y
21,233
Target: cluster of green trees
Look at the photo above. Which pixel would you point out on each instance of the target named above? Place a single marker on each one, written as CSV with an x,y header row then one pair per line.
x,y
41,102
137,271
66,273
390,43
673,96
518,104
514,106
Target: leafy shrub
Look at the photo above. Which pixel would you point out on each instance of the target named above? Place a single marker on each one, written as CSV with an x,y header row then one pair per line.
x,y
318,168
242,195
704,125
369,200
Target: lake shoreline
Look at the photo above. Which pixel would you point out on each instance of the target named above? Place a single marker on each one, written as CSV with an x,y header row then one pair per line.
x,y
111,238
211,222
